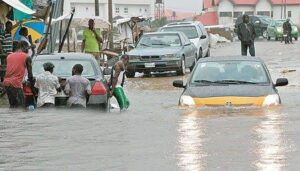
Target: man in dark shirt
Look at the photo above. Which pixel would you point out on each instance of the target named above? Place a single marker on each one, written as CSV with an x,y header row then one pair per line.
x,y
246,34
6,39
287,30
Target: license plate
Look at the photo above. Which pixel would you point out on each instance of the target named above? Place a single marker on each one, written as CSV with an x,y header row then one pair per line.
x,y
149,65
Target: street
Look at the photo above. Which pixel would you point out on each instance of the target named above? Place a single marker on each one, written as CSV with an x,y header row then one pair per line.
x,y
156,134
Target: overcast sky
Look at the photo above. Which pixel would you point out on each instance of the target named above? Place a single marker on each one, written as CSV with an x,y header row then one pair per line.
x,y
184,5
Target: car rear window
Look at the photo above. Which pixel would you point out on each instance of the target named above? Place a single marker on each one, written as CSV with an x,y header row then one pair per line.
x,y
189,31
63,68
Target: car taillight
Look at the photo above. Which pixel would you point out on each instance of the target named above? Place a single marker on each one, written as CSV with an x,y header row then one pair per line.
x,y
98,88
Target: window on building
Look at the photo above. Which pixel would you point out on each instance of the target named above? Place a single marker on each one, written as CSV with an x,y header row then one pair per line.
x,y
237,14
126,10
249,12
225,14
146,10
289,13
117,10
141,10
272,14
267,13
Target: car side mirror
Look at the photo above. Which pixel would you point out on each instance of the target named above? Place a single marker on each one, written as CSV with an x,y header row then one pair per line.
x,y
203,37
281,82
107,71
187,44
178,84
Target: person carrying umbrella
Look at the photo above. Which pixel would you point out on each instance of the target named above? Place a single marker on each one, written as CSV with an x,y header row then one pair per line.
x,y
91,40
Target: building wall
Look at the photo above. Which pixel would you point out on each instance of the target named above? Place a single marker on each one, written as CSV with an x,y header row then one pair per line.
x,y
86,8
225,6
295,9
263,5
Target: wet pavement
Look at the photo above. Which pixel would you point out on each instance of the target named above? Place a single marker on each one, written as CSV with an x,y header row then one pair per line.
x,y
155,134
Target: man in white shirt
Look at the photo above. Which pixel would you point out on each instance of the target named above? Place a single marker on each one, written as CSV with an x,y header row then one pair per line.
x,y
48,85
24,37
78,88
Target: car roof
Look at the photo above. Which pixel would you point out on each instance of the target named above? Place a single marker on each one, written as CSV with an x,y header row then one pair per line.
x,y
72,56
167,32
230,58
184,23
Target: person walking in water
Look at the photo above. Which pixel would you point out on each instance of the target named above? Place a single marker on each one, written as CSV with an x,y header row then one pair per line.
x,y
246,34
117,82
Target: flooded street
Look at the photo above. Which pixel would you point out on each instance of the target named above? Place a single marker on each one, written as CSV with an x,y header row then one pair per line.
x,y
155,134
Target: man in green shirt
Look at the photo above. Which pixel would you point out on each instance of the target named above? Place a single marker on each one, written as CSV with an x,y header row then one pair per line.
x,y
91,40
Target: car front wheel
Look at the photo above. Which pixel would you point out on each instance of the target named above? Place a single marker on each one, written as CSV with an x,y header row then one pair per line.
x,y
265,34
182,69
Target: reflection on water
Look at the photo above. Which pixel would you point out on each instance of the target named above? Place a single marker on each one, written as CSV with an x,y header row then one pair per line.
x,y
271,147
191,155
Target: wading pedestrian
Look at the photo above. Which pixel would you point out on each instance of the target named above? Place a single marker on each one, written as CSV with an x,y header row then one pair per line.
x,y
78,88
117,82
17,63
48,86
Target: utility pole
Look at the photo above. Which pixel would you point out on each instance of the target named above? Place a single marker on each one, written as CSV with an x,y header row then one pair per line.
x,y
96,7
110,19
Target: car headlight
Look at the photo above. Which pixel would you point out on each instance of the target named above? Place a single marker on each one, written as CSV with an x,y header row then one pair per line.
x,y
187,101
279,29
295,29
271,100
169,56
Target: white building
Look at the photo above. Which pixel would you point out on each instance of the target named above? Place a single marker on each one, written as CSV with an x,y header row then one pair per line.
x,y
229,10
123,8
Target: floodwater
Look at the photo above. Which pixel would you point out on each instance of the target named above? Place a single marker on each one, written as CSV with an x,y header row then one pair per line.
x,y
155,134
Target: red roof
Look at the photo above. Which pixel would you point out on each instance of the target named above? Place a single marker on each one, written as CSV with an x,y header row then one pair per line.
x,y
208,18
288,2
244,2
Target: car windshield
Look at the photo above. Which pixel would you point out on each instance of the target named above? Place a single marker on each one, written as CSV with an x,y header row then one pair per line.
x,y
63,68
159,40
230,72
189,31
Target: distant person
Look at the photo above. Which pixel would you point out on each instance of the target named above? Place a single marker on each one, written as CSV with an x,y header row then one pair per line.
x,y
92,40
17,63
78,88
48,86
6,39
246,34
287,31
117,82
27,38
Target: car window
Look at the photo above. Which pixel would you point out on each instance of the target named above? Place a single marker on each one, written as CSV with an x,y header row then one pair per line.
x,y
203,30
159,40
190,31
63,68
247,71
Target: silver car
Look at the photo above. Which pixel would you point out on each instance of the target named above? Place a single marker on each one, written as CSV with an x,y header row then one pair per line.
x,y
195,31
162,51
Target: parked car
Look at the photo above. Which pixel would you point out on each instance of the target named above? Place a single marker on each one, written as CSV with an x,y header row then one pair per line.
x,y
162,51
260,22
195,31
64,63
275,29
230,81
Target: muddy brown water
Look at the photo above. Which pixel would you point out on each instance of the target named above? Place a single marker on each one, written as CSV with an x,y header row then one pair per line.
x,y
155,134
